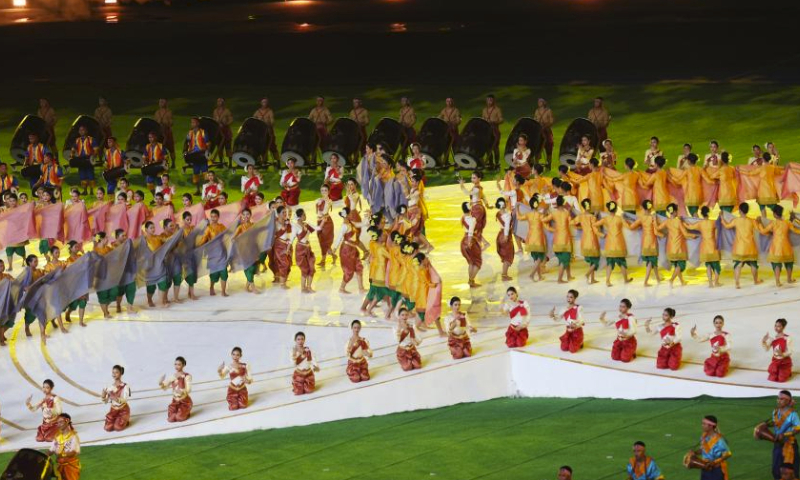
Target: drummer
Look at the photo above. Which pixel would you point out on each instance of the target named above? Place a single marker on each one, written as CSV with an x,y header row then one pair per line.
x,y
7,181
713,451
407,118
452,116
492,114
197,142
51,174
223,116
321,117
361,117
785,424
36,150
48,114
85,149
544,115
104,116
113,159
154,153
163,116
266,115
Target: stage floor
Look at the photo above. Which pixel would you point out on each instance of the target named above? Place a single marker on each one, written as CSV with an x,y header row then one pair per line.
x,y
264,324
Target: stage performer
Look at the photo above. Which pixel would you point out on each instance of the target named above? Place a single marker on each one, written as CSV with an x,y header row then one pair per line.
x,y
726,176
303,381
677,250
280,256
407,355
352,200
773,152
616,250
452,117
114,158
239,374
785,424
671,351
180,382
251,181
600,117
745,251
18,249
407,118
30,274
590,240
781,251
683,158
624,348
594,184
222,114
625,185
713,451
197,143
102,248
128,290
303,255
163,115
212,190
213,229
266,115
780,369
86,149
535,241
322,118
608,158
565,472
583,155
478,205
348,245
324,206
458,330
712,158
651,154
691,180
361,116
154,242
709,252
167,189
544,115
717,364
290,182
519,314
470,245
117,394
378,264
48,114
536,183
520,160
641,466
395,276
50,405
9,324
184,267
767,173
51,174
249,273
658,181
104,116
416,160
561,217
154,154
494,115
66,449
357,352
333,178
572,340
505,245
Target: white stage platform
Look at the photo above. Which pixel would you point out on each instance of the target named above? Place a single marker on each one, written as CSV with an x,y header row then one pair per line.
x,y
264,325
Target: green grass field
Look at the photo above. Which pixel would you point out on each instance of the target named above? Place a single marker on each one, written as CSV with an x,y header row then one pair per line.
x,y
738,115
504,439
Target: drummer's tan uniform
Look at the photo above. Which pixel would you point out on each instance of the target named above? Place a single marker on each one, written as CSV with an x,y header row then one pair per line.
x,y
321,116
492,115
599,117
49,116
407,117
361,116
451,115
265,115
223,116
544,115
164,117
103,116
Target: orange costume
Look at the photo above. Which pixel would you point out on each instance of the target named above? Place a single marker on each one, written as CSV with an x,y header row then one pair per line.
x,y
66,447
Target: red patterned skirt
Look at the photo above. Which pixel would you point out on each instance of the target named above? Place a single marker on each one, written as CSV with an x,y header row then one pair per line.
x,y
117,419
304,257
408,358
303,382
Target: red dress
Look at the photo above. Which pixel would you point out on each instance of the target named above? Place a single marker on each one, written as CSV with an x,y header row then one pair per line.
x,y
459,343
780,369
624,350
303,381
325,235
214,190
669,356
505,244
333,179
471,246
282,251
118,418
250,186
181,407
237,388
348,253
48,430
357,368
718,363
572,340
303,255
517,338
407,355
291,189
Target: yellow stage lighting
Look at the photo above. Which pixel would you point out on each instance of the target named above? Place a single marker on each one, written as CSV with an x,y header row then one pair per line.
x,y
19,3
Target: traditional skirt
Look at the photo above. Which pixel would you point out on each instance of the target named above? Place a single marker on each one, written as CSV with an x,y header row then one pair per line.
x,y
304,257
624,350
471,250
350,261
572,340
69,468
282,252
303,382
237,399
717,365
669,357
117,419
516,339
479,212
408,358
780,369
211,203
358,371
47,431
291,196
335,190
325,236
179,410
460,347
505,247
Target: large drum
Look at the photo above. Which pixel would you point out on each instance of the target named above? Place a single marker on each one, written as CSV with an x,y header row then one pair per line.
x,y
434,142
81,162
29,463
691,460
344,140
153,170
92,129
391,134
533,130
19,142
251,142
474,144
567,153
762,432
31,172
137,141
300,142
114,174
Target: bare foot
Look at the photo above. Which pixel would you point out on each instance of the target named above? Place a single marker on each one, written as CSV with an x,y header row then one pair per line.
x,y
506,278
342,290
310,290
628,280
647,284
194,297
84,325
362,291
738,286
594,281
563,281
609,284
63,330
778,284
759,282
212,293
225,294
151,304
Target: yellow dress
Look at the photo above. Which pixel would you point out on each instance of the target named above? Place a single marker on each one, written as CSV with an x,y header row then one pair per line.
x,y
658,182
727,185
676,239
153,241
409,279
625,184
538,185
420,286
396,272
243,227
744,244
767,193
615,241
691,180
378,256
649,225
780,249
590,243
708,240
212,230
535,241
562,238
592,182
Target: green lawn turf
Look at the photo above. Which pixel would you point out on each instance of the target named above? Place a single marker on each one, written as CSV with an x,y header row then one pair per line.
x,y
504,439
737,115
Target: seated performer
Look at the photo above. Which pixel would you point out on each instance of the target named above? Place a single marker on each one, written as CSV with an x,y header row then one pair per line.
x,y
290,182
641,466
780,369
651,154
671,351
303,381
519,314
716,365
416,160
713,451
583,155
85,148
50,405
239,374
197,143
117,394
180,382
458,330
785,424
167,189
624,348
213,229
66,449
357,352
51,174
154,154
114,158
211,191
251,182
572,340
713,157
333,178
407,355
608,158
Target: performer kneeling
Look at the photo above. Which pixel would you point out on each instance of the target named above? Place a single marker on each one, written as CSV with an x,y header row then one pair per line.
x,y
239,374
780,369
357,352
671,351
407,354
303,381
624,348
572,340
458,330
180,382
717,364
518,311
50,406
117,395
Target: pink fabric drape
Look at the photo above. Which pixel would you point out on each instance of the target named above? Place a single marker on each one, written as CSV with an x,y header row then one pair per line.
x,y
259,212
160,214
50,221
76,224
97,217
17,225
433,310
227,213
197,211
137,214
116,217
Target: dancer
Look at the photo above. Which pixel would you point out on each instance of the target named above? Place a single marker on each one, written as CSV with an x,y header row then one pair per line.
x,y
716,365
641,466
18,249
470,244
117,394
458,330
651,154
347,244
357,353
572,314
781,251
608,158
677,250
658,182
128,290
50,405
251,182
185,271
535,241
303,255
784,424
212,191
478,205
561,216
213,229
671,351
712,158
505,245
709,252
324,206
726,175
767,196
280,256
290,182
626,185
333,178
780,369
624,348
691,179
594,186
303,381
744,250
154,242
378,264
33,273
583,155
519,314
407,355
104,297
180,382
352,201
246,224
586,221
239,374
66,449
615,249
713,451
